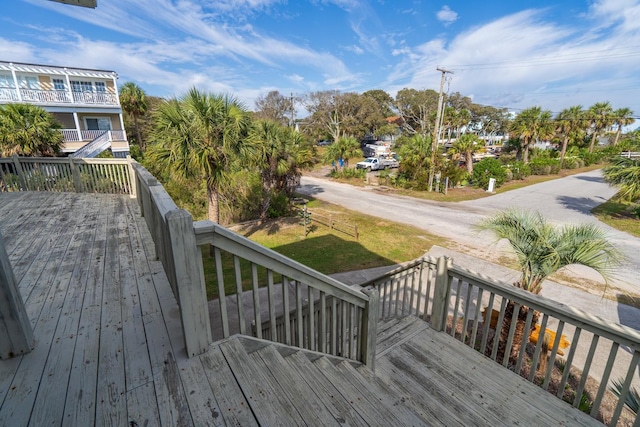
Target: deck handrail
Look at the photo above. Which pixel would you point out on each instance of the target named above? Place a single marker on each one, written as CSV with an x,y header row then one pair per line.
x,y
347,317
66,174
451,297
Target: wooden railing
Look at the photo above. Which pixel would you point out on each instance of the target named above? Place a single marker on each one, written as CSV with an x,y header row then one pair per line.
x,y
287,302
66,174
345,325
452,299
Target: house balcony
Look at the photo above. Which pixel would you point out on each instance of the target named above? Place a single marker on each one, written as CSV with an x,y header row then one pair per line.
x,y
73,135
109,274
58,97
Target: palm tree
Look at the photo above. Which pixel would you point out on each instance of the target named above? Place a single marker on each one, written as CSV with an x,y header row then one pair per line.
x,y
622,117
624,173
600,117
281,153
28,130
201,136
532,125
569,125
543,249
467,145
344,148
415,154
134,101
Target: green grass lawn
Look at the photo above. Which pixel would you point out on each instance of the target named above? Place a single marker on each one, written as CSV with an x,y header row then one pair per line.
x,y
328,251
619,215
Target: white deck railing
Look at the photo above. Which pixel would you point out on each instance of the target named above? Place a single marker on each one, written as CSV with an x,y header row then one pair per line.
x,y
452,299
66,174
71,135
39,96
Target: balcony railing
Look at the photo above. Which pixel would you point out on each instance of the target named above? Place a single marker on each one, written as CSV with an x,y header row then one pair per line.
x,y
38,96
453,299
71,135
45,96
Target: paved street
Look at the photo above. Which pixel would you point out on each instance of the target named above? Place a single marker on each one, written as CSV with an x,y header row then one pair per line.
x,y
565,201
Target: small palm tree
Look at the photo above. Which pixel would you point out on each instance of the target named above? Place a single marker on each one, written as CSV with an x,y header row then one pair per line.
x,y
134,101
569,125
28,130
532,125
281,153
624,173
415,154
344,148
543,249
201,136
467,145
622,117
600,117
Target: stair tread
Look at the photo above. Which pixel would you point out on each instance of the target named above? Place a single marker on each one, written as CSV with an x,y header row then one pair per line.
x,y
340,408
267,403
292,385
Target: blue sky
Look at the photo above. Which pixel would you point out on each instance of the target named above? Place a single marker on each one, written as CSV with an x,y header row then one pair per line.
x,y
514,54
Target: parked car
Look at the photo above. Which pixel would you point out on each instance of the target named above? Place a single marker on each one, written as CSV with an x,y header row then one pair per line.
x,y
377,163
324,142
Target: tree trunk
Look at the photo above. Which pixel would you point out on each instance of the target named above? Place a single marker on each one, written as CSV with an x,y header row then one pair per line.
x,y
470,163
565,142
525,152
519,332
213,210
615,141
266,201
138,134
593,142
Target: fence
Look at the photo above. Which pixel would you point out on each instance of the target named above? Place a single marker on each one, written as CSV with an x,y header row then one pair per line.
x,y
333,224
66,174
453,299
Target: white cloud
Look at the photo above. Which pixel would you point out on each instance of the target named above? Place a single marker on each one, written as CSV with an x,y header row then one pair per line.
x,y
446,15
525,59
355,49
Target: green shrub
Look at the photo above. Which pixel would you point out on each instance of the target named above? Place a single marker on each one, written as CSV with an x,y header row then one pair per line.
x,y
519,170
544,166
348,173
486,169
279,206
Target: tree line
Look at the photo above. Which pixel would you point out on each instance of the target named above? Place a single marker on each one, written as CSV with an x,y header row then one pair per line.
x,y
247,163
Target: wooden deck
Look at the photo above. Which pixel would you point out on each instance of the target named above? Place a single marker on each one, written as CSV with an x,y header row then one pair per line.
x,y
110,351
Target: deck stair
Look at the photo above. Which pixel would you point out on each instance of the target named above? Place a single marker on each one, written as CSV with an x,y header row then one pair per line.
x,y
413,384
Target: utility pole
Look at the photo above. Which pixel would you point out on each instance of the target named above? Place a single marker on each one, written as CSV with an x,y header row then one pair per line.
x,y
436,131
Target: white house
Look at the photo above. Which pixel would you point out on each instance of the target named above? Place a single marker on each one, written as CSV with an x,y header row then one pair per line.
x,y
85,101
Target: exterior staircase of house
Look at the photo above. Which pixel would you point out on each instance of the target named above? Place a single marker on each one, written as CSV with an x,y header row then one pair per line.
x,y
95,147
421,377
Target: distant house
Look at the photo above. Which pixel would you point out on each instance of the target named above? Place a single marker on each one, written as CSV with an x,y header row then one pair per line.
x,y
85,101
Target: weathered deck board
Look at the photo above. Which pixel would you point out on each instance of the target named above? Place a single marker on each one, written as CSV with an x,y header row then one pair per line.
x,y
110,348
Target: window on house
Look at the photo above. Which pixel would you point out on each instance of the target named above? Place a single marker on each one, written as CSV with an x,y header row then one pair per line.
x,y
6,81
78,86
58,84
29,82
100,87
98,123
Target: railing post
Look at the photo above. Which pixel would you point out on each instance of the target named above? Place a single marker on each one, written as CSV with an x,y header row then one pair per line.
x,y
16,335
133,182
18,166
370,332
77,180
441,290
188,277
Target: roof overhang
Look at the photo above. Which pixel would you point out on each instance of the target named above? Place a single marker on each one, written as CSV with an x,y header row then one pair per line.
x,y
84,3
